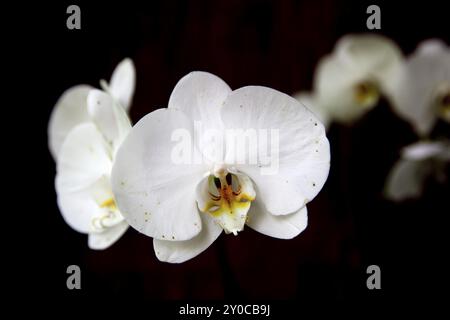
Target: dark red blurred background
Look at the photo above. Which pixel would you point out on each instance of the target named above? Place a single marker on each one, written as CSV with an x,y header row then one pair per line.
x,y
270,43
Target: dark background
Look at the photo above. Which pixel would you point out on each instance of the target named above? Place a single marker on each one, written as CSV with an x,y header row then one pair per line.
x,y
271,43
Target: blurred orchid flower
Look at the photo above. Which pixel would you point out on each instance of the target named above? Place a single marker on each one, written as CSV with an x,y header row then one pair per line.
x,y
84,165
421,92
185,206
71,108
418,162
85,157
349,82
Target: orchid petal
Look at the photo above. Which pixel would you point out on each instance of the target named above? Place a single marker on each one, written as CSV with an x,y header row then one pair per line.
x,y
181,251
110,118
69,111
81,208
406,179
281,227
425,149
105,239
84,158
122,83
423,77
370,54
200,95
298,161
154,191
309,101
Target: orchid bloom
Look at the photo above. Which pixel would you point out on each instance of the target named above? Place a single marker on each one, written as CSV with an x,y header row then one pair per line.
x,y
422,88
86,156
185,205
349,82
418,162
71,108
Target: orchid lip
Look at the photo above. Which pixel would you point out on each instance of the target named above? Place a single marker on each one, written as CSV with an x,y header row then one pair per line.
x,y
110,218
228,198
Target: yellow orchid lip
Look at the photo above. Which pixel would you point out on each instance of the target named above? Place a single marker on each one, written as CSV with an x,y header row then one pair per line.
x,y
229,201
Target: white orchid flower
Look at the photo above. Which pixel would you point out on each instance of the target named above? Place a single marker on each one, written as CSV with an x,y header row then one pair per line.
x,y
85,159
71,108
422,89
418,162
349,82
185,206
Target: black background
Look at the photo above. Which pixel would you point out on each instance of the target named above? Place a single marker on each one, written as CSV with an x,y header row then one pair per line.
x,y
271,43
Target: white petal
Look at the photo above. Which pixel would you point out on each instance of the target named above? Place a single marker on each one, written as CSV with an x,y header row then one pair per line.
x,y
282,227
78,208
122,83
181,251
69,111
370,55
303,152
416,87
103,240
431,46
83,159
155,193
424,149
309,101
406,179
200,96
110,118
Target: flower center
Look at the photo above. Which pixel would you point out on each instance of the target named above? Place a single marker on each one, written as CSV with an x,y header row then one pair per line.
x,y
109,217
228,199
366,93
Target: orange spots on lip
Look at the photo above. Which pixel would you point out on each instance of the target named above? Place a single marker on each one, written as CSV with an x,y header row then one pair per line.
x,y
229,201
227,193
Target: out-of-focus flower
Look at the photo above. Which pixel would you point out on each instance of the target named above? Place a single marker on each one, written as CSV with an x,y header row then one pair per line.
x,y
418,162
71,108
86,129
84,165
349,82
185,206
421,91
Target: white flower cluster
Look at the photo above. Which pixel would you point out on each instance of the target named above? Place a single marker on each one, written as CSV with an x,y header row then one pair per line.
x,y
111,175
363,68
